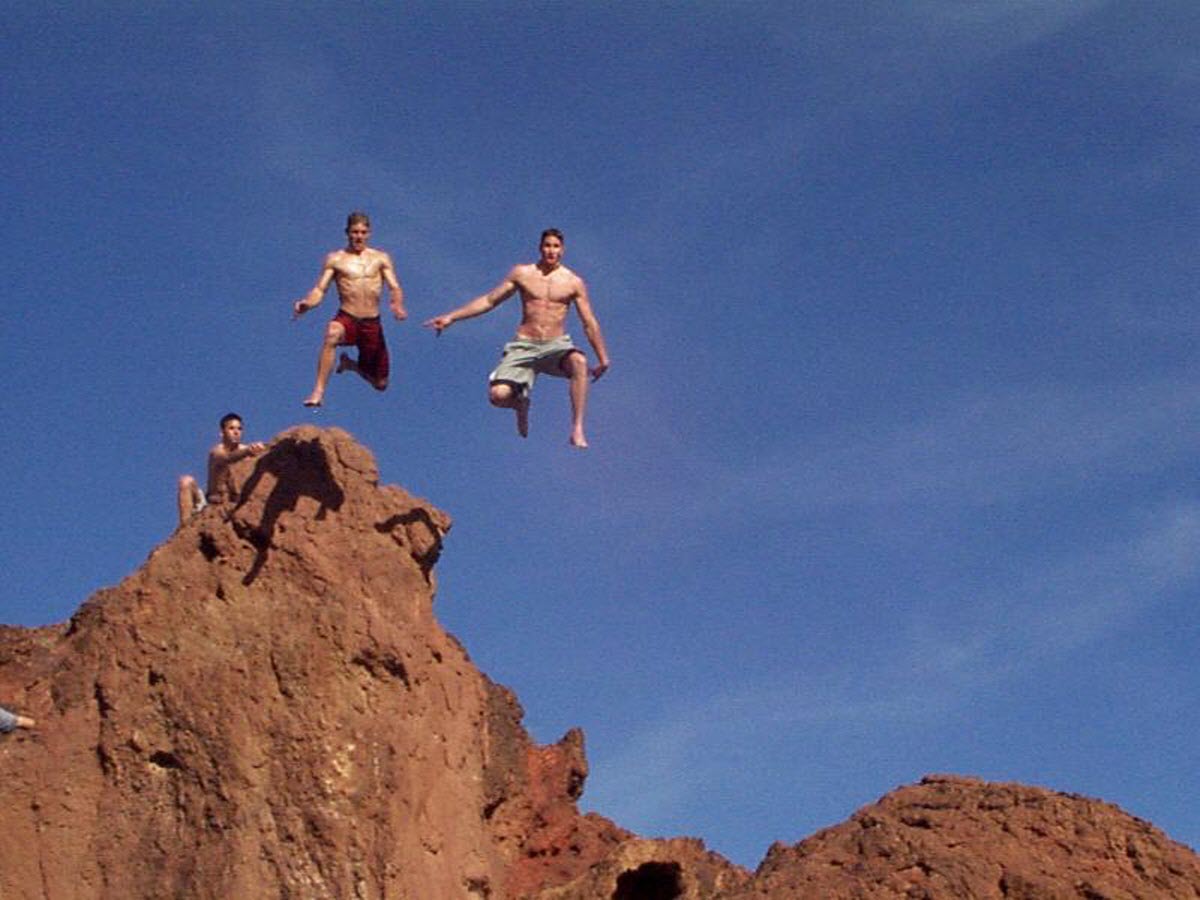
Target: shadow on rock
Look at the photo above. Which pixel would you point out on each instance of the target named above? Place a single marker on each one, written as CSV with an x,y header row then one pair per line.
x,y
294,468
425,550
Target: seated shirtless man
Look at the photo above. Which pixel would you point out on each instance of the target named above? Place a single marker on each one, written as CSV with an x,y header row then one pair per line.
x,y
221,487
541,345
359,272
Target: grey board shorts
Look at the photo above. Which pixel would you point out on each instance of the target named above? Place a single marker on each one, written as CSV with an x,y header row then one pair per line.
x,y
522,361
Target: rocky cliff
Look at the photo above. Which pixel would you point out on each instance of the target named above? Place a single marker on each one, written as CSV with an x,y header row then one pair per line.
x,y
951,837
269,709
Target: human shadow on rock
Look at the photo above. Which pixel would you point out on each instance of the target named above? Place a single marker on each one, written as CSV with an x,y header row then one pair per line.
x,y
300,469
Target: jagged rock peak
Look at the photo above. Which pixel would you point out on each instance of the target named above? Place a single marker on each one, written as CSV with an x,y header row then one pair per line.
x,y
268,708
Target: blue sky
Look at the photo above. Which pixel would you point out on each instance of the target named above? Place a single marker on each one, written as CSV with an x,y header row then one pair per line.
x,y
894,469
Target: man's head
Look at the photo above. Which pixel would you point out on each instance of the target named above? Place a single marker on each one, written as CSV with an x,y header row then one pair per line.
x,y
358,229
231,428
551,247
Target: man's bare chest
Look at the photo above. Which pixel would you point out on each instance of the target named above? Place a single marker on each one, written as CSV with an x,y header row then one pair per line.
x,y
352,267
546,289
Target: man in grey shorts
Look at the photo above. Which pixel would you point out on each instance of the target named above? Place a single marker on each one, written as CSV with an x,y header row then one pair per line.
x,y
541,345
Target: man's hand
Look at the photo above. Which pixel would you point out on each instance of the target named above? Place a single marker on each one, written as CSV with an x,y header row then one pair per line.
x,y
399,312
299,308
256,447
439,323
599,370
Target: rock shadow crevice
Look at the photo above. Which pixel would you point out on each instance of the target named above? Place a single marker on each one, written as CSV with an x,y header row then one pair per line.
x,y
651,881
292,469
425,549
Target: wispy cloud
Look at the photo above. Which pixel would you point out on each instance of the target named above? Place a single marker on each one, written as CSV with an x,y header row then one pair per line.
x,y
1034,620
1000,449
1071,602
997,447
675,762
996,26
1007,447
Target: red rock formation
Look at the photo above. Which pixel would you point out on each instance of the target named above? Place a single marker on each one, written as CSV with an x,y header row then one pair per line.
x,y
949,838
267,708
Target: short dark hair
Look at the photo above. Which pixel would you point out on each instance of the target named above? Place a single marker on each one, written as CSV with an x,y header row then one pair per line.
x,y
552,232
229,417
357,217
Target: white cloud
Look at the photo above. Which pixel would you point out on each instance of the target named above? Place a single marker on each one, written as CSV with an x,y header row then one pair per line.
x,y
999,25
1034,620
980,454
990,448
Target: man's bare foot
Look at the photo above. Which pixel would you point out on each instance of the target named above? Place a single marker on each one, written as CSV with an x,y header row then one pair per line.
x,y
345,362
314,400
521,408
578,440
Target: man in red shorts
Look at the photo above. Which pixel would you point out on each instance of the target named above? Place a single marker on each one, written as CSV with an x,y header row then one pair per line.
x,y
359,272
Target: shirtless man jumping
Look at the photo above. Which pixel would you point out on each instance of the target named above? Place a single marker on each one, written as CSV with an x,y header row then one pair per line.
x,y
541,345
221,487
359,272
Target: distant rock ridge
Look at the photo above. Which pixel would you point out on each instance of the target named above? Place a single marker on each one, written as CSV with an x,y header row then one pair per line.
x,y
268,708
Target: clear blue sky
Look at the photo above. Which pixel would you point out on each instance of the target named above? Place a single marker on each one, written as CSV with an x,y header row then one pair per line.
x,y
894,471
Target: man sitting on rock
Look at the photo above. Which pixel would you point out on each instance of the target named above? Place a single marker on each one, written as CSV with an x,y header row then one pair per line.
x,y
221,487
10,721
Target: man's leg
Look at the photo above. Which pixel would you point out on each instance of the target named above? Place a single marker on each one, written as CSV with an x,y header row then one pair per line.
x,y
347,364
575,367
188,497
506,396
373,364
334,334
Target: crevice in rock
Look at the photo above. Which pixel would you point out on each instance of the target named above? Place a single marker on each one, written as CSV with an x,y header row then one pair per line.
x,y
165,759
374,662
650,881
208,547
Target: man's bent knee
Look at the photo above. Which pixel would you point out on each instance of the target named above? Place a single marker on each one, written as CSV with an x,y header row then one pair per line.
x,y
574,364
501,394
334,333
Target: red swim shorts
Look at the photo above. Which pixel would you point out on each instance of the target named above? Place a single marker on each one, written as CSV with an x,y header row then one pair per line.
x,y
367,336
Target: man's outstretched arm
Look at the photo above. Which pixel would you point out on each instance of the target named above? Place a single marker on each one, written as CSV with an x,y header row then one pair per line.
x,y
477,307
591,327
317,294
223,456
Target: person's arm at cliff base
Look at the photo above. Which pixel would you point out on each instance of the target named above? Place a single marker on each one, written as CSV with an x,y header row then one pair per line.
x,y
10,721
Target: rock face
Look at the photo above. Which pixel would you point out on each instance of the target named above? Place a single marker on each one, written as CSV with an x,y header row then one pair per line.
x,y
268,709
949,837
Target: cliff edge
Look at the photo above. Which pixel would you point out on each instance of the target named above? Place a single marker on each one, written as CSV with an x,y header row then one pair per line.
x,y
268,708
